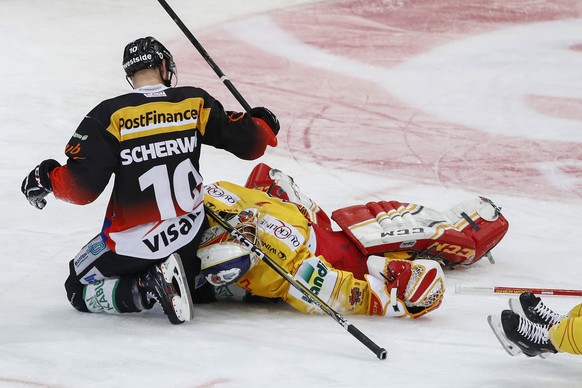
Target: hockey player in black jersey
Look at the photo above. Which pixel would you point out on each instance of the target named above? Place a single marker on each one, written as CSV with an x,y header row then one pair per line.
x,y
150,140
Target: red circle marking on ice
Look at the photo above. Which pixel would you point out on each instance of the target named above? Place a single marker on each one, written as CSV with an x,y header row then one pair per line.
x,y
346,121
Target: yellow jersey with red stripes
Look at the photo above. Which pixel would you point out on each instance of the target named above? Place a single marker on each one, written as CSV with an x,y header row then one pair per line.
x,y
287,236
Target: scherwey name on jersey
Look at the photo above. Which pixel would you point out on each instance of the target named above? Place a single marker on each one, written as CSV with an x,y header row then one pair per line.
x,y
158,149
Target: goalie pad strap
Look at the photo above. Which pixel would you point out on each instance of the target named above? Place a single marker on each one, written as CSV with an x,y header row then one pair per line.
x,y
470,221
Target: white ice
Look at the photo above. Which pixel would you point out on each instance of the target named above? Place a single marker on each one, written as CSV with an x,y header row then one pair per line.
x,y
60,58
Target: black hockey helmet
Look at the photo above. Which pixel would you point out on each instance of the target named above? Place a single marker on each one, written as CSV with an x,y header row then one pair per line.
x,y
144,53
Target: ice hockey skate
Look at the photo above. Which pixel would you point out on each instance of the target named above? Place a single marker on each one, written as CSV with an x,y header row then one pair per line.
x,y
530,306
166,284
518,335
495,324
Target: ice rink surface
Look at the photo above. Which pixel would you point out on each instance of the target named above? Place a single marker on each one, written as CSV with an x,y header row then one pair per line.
x,y
422,101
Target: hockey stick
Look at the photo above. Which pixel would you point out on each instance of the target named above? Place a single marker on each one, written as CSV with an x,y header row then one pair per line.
x,y
205,55
462,289
311,297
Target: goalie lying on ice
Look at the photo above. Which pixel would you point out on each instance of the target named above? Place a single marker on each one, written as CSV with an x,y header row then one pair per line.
x,y
386,259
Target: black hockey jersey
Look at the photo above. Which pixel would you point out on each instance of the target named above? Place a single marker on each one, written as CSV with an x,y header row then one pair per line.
x,y
150,140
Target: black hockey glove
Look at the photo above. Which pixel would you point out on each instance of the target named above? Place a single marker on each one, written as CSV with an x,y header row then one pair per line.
x,y
37,184
268,116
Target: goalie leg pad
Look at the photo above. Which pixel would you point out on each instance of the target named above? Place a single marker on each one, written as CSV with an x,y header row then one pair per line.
x,y
278,184
481,221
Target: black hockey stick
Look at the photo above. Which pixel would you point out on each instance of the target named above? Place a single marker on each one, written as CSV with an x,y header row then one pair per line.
x,y
311,297
205,55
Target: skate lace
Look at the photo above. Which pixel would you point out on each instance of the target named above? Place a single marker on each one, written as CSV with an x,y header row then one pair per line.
x,y
534,332
152,296
549,316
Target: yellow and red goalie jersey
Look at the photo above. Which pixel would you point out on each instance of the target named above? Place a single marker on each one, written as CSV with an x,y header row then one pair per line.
x,y
288,237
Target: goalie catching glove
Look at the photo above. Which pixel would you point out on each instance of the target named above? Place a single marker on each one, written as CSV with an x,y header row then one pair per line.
x,y
401,288
37,184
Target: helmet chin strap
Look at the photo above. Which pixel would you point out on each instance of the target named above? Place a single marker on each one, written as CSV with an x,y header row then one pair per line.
x,y
166,81
169,81
164,68
127,78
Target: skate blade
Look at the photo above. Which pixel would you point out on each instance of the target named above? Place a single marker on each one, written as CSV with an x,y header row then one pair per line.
x,y
510,347
515,306
173,269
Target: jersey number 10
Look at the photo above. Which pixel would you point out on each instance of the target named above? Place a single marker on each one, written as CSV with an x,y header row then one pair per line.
x,y
187,197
